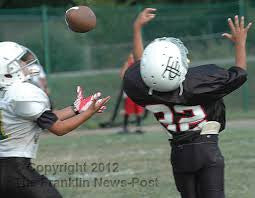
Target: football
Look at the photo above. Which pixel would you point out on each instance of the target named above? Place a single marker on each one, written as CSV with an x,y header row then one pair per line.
x,y
80,19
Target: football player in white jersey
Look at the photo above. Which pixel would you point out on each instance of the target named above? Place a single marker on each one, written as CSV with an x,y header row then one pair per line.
x,y
24,112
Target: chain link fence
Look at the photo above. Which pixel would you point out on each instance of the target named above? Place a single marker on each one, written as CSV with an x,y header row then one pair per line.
x,y
200,26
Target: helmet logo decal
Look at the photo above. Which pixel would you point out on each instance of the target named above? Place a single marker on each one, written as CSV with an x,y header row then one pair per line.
x,y
173,67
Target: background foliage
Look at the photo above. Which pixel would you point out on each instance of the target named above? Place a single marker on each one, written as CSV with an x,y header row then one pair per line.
x,y
86,59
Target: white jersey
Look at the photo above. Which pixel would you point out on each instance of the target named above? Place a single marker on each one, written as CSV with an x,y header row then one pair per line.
x,y
20,105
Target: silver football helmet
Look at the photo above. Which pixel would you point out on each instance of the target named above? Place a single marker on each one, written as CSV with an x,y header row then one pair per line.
x,y
15,62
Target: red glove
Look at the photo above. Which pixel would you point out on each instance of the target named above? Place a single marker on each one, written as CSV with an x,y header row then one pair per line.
x,y
82,104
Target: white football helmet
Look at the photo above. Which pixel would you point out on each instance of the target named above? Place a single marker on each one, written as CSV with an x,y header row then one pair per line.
x,y
164,65
15,62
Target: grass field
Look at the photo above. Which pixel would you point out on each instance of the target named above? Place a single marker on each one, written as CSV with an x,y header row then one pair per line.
x,y
143,157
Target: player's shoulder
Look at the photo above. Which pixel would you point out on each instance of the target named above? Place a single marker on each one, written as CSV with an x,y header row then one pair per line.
x,y
209,71
26,92
208,68
133,76
27,100
135,66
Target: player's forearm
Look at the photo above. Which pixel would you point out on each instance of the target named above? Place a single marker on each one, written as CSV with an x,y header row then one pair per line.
x,y
137,42
64,113
63,127
240,56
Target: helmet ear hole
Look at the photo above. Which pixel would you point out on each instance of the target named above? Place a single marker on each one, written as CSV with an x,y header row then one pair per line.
x,y
8,75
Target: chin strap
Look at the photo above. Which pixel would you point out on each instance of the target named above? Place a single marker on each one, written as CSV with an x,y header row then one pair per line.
x,y
181,84
150,91
181,89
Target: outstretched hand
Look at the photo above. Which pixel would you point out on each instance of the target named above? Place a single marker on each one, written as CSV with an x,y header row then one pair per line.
x,y
93,102
98,105
145,16
238,31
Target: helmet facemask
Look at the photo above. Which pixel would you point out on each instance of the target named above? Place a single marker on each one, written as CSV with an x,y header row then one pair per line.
x,y
30,64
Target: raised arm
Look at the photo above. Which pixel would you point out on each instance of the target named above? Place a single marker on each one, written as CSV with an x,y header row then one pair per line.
x,y
238,36
143,18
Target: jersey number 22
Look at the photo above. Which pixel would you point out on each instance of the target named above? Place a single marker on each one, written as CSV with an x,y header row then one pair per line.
x,y
179,118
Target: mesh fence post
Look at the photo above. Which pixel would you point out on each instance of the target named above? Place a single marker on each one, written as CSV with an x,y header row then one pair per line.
x,y
245,88
46,38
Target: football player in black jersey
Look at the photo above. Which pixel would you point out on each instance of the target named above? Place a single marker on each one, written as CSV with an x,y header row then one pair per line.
x,y
188,102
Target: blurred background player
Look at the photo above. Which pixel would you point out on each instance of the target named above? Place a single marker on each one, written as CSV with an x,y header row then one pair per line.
x,y
188,102
24,113
131,108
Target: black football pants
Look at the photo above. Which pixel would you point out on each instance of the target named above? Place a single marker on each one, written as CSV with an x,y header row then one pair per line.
x,y
19,180
198,168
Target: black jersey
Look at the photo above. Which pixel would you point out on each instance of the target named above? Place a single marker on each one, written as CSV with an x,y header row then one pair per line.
x,y
201,101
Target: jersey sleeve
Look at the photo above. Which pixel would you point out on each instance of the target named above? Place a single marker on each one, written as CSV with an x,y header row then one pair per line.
x,y
47,119
213,82
28,101
133,85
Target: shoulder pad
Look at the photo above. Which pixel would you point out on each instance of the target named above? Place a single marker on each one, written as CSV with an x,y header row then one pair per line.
x,y
28,100
26,92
